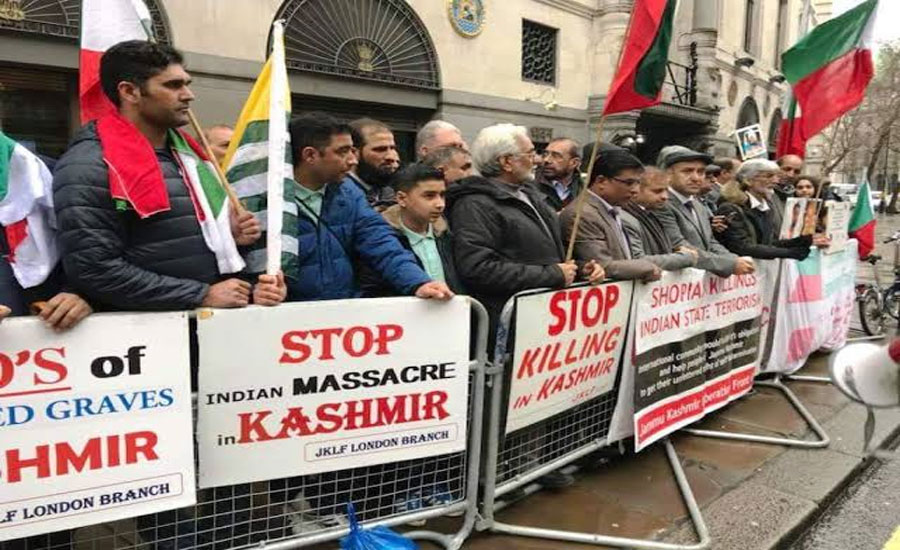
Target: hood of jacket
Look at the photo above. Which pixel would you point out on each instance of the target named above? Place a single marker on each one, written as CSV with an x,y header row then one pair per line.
x,y
732,193
392,216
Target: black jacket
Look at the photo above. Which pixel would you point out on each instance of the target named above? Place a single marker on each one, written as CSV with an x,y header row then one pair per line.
x,y
545,187
500,245
18,299
751,232
116,260
373,285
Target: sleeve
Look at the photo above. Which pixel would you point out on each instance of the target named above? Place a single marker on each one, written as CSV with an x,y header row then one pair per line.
x,y
592,243
479,262
739,240
93,239
667,218
378,247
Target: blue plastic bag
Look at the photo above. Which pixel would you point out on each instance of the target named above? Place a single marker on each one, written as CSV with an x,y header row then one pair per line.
x,y
376,538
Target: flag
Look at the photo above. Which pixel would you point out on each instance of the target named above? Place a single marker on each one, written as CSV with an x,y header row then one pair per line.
x,y
790,139
26,213
105,23
258,165
862,221
639,80
831,67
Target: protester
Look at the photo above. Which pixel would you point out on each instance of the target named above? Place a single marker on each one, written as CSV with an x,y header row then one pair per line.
x,y
419,225
790,168
710,190
336,227
807,187
135,242
378,160
219,138
559,176
615,180
436,134
454,162
747,205
686,219
646,236
728,167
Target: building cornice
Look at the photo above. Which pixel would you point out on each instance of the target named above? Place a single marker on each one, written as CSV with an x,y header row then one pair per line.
x,y
572,6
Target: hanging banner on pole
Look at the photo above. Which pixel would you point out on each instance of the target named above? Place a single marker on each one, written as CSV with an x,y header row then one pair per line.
x,y
696,348
568,347
95,422
306,388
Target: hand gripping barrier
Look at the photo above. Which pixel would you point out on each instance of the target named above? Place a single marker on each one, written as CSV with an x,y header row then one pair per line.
x,y
516,460
269,515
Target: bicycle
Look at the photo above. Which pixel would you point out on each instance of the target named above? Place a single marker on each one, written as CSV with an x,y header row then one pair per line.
x,y
877,303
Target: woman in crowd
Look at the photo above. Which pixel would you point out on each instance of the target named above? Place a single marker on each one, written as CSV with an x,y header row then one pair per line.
x,y
807,187
751,229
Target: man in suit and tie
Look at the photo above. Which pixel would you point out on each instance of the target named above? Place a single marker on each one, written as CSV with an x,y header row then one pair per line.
x,y
687,220
601,234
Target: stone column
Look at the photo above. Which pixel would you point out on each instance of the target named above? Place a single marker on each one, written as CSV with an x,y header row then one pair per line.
x,y
704,31
609,27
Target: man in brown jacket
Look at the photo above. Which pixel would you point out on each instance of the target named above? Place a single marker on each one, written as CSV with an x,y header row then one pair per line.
x,y
615,180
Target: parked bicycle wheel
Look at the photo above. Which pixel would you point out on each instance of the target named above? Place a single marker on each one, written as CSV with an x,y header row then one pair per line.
x,y
871,313
892,303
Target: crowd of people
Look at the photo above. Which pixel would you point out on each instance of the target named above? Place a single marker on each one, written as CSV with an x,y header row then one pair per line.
x,y
488,220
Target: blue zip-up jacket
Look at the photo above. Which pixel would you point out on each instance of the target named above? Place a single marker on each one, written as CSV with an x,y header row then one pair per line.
x,y
354,233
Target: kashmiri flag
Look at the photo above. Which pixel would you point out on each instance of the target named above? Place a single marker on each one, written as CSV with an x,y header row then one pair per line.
x,y
862,221
26,213
105,23
258,165
790,138
642,70
831,67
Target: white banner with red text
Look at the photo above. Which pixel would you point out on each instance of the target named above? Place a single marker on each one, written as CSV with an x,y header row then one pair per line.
x,y
95,422
568,347
323,386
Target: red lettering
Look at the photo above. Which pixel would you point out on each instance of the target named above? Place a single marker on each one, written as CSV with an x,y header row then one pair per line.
x,y
387,333
252,425
140,443
367,341
558,313
291,341
49,365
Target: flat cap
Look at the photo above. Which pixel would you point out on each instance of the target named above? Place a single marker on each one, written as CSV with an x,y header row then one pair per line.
x,y
678,153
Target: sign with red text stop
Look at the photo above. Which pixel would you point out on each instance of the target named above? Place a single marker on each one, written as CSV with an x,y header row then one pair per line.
x,y
568,346
315,387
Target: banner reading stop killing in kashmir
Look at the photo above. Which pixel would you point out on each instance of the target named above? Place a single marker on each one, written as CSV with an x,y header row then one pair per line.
x,y
95,422
304,388
696,348
568,347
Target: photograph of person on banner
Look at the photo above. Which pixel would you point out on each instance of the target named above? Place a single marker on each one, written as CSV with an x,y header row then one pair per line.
x,y
750,142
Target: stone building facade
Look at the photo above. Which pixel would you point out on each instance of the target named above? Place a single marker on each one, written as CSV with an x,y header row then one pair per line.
x,y
545,64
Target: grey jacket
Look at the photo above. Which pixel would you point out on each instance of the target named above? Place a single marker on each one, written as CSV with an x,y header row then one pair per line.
x,y
679,223
642,247
598,239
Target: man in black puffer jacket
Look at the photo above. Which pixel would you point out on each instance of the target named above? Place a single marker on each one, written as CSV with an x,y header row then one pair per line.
x,y
133,254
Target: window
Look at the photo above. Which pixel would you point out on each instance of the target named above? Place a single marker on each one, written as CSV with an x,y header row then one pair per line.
x,y
750,26
780,31
538,53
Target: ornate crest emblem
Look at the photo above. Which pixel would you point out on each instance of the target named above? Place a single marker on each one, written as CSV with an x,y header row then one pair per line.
x,y
12,10
467,16
366,55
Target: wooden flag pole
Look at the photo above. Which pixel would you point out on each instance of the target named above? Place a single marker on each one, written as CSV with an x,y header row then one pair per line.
x,y
232,195
582,196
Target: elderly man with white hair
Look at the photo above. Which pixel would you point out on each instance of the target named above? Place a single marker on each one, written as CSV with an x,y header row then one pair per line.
x,y
747,203
437,134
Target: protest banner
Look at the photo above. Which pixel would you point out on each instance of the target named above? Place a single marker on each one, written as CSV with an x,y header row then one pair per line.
x,y
302,388
837,220
800,217
750,142
95,422
696,348
568,347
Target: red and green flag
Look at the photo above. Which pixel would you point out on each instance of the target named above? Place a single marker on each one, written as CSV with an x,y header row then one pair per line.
x,y
829,71
639,80
862,221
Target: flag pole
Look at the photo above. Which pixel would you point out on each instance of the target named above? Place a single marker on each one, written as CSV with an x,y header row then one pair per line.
x,y
582,195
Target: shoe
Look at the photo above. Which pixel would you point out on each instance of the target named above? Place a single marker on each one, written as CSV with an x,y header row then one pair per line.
x,y
410,502
556,480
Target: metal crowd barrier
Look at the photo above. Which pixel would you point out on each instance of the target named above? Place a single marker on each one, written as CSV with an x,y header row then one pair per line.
x,y
281,514
513,461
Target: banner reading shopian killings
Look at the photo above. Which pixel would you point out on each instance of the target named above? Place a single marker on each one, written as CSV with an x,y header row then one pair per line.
x,y
95,422
316,387
696,348
568,347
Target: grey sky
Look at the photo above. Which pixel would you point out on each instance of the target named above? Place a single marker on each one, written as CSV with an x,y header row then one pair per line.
x,y
886,27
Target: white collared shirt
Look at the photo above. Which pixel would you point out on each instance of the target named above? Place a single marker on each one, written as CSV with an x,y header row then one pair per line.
x,y
762,206
685,200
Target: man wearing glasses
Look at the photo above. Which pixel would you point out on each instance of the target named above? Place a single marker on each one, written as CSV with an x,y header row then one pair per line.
x,y
615,180
558,178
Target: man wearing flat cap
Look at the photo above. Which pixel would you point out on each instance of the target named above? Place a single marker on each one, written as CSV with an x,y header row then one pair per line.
x,y
687,220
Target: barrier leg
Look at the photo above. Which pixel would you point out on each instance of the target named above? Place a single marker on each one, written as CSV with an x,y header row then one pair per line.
x,y
624,542
823,440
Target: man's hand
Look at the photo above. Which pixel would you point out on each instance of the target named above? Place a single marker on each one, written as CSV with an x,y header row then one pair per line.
x,y
270,290
434,290
4,312
593,272
227,294
719,224
64,311
821,240
744,266
569,270
654,276
695,256
245,228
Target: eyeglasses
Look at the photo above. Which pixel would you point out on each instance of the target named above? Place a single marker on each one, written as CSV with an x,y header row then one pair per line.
x,y
628,182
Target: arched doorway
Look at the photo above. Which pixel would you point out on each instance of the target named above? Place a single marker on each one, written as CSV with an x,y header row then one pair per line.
x,y
381,46
749,113
774,127
39,103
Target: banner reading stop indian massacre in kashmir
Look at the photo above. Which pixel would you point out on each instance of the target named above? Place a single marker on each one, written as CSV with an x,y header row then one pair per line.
x,y
568,347
696,348
95,422
308,388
